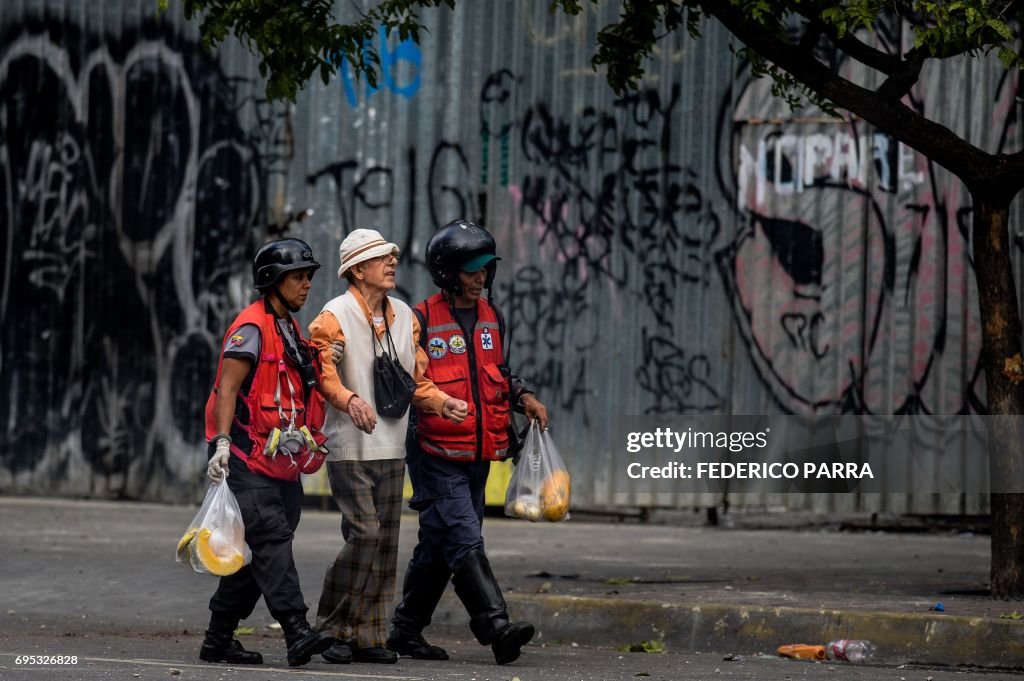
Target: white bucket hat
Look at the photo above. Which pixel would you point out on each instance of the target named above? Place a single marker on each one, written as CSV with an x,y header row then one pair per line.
x,y
362,245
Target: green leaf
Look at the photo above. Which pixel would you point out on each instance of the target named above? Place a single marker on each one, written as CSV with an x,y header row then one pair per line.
x,y
643,647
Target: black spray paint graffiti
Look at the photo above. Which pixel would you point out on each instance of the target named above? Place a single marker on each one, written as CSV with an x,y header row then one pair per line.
x,y
365,196
679,382
128,191
606,198
644,226
548,350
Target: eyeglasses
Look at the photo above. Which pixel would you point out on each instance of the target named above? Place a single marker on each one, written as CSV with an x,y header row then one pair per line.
x,y
387,259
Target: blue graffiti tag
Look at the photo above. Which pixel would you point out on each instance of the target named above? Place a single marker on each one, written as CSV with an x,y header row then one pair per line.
x,y
407,50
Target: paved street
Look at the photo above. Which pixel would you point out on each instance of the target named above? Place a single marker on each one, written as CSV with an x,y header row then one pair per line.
x,y
97,580
102,657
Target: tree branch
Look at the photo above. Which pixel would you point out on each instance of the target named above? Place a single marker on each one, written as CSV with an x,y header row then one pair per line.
x,y
851,45
972,165
808,41
902,79
865,54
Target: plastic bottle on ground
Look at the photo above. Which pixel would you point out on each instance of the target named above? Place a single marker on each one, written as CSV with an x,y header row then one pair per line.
x,y
802,651
850,650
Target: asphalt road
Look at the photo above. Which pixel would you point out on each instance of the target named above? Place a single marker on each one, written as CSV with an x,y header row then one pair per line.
x,y
102,657
97,581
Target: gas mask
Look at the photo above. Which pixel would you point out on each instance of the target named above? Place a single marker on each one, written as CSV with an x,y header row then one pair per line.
x,y
290,440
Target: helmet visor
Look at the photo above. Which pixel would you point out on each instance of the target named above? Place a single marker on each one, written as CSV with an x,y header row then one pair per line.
x,y
478,263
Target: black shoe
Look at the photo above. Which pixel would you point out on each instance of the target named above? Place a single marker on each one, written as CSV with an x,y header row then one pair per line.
x,y
414,646
303,642
375,655
339,653
510,640
222,648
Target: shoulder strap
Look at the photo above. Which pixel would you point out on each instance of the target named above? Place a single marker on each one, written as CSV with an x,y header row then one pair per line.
x,y
389,349
501,332
422,318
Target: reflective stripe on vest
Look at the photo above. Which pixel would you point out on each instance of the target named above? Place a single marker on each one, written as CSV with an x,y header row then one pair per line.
x,y
450,454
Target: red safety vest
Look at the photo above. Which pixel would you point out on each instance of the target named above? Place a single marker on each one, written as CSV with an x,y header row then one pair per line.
x,y
467,369
259,414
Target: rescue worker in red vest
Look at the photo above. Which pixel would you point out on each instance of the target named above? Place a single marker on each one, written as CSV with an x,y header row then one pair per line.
x,y
263,422
463,334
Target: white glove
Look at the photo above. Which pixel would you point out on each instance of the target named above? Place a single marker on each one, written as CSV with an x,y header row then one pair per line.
x,y
218,468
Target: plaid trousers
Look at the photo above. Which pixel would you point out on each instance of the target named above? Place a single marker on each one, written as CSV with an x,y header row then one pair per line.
x,y
360,583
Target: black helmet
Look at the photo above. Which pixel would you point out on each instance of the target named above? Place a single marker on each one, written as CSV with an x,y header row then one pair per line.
x,y
460,245
277,257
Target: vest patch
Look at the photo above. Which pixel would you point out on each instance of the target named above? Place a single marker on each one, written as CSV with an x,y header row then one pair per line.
x,y
486,341
437,348
457,344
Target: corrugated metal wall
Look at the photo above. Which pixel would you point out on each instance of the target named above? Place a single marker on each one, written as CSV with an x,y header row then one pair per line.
x,y
690,248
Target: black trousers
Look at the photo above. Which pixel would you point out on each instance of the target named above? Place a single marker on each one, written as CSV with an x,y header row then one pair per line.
x,y
449,497
270,510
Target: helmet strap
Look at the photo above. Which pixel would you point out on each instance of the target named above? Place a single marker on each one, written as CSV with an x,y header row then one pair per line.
x,y
456,287
276,292
451,307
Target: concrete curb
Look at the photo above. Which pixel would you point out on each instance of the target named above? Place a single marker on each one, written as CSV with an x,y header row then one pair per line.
x,y
900,637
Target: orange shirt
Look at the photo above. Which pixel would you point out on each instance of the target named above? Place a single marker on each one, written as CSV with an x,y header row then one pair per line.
x,y
325,329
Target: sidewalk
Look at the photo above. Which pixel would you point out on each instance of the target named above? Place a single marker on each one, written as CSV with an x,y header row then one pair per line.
x,y
82,566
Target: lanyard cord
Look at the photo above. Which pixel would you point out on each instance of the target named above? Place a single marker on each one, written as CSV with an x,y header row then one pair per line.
x,y
277,393
392,352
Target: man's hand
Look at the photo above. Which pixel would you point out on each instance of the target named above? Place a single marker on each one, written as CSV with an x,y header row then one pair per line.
x,y
217,469
337,351
455,410
534,410
362,414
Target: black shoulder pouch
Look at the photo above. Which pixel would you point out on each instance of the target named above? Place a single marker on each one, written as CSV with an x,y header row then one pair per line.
x,y
393,387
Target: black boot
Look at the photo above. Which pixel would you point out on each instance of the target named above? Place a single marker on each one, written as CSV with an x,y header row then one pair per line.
x,y
421,591
478,590
303,642
219,644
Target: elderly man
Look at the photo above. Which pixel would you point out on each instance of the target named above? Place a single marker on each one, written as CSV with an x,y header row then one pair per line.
x,y
367,468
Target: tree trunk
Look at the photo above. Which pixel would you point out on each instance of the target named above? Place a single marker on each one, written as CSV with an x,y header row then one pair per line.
x,y
1004,377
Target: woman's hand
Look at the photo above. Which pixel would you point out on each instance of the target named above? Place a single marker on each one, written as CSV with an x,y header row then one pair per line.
x,y
362,414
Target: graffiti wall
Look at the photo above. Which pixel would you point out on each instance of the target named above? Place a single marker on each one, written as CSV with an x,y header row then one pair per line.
x,y
693,247
132,172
